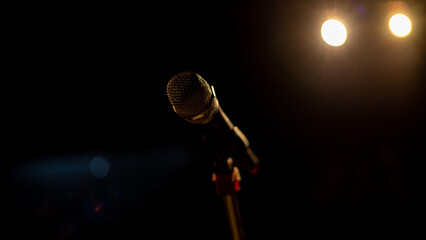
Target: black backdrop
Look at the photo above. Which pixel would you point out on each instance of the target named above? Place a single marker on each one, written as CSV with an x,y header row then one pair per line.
x,y
339,131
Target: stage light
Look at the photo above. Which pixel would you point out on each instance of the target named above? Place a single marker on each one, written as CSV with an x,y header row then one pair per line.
x,y
400,25
333,32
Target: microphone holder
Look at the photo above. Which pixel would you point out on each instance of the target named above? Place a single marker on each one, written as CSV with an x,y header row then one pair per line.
x,y
226,177
229,148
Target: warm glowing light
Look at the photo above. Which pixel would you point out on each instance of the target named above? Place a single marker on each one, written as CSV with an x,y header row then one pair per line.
x,y
333,32
400,25
98,208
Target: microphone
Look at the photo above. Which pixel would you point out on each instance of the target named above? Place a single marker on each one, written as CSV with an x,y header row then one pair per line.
x,y
194,100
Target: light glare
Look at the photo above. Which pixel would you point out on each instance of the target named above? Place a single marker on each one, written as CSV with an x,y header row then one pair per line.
x,y
400,25
333,32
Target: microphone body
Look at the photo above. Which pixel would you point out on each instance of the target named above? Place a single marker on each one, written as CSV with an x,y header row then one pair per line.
x,y
195,101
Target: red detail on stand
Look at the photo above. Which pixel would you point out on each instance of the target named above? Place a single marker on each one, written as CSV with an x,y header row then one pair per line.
x,y
227,184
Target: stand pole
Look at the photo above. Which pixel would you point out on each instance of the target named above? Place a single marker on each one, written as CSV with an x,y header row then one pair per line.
x,y
234,218
227,184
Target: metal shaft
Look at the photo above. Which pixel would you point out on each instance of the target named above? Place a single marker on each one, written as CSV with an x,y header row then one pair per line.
x,y
233,215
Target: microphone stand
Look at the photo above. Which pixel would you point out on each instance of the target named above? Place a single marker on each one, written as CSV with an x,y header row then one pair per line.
x,y
227,144
227,177
226,140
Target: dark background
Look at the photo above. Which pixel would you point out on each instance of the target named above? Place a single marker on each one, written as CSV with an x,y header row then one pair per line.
x,y
339,131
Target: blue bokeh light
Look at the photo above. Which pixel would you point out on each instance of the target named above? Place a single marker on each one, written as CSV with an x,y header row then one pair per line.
x,y
99,167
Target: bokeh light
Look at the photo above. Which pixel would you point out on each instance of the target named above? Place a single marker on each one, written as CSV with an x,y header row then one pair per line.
x,y
400,25
333,32
99,167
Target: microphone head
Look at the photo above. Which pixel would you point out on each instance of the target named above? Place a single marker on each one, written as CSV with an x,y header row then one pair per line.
x,y
192,97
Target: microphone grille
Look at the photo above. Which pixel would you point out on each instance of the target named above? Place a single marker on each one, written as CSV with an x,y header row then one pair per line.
x,y
189,94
